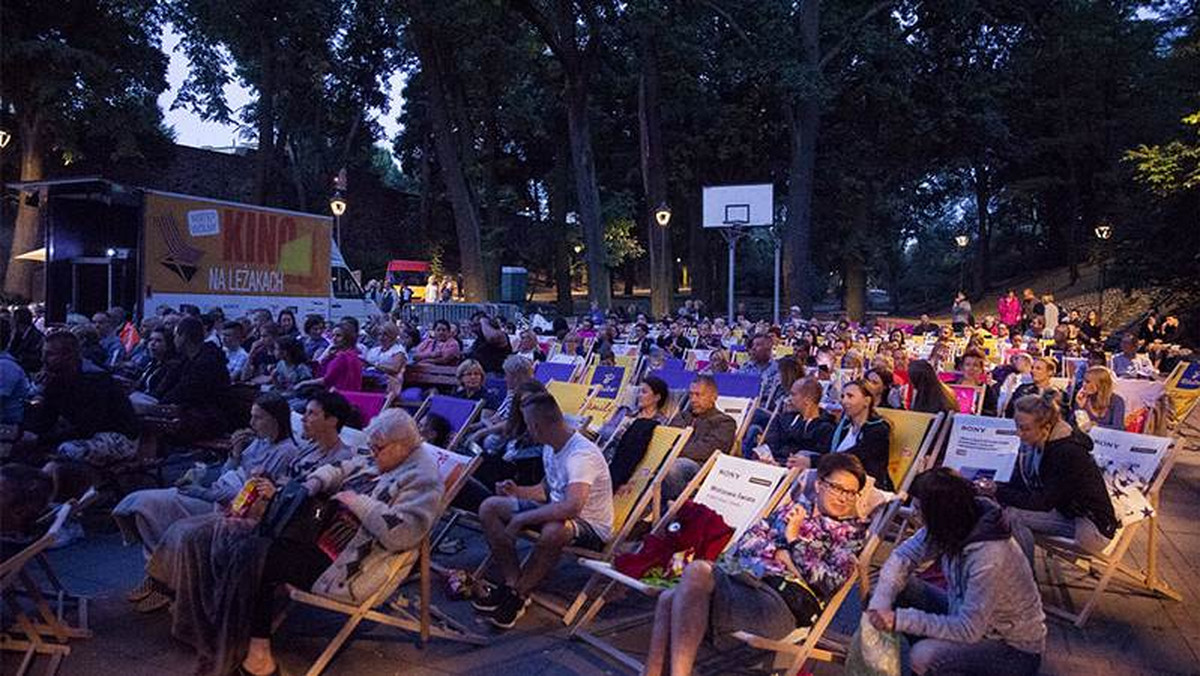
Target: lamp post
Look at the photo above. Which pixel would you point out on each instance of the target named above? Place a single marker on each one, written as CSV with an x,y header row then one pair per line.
x,y
962,241
659,265
337,204
1103,233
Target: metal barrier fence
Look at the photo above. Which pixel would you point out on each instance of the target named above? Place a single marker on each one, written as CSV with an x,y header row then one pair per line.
x,y
427,313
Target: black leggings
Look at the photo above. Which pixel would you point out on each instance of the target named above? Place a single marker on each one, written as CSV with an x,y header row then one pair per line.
x,y
296,563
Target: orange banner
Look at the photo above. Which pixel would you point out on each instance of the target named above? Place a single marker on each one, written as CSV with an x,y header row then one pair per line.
x,y
202,247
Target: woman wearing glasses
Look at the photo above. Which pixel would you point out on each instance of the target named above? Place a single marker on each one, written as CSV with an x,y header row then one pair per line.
x,y
777,578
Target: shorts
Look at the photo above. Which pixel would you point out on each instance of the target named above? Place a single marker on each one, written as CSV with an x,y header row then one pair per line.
x,y
745,605
584,534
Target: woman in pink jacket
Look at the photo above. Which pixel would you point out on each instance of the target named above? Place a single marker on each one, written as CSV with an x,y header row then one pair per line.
x,y
1009,309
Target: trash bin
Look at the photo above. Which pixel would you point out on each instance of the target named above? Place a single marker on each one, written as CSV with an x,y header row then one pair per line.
x,y
513,282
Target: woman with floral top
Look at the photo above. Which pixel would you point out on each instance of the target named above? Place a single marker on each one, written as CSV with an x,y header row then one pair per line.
x,y
778,577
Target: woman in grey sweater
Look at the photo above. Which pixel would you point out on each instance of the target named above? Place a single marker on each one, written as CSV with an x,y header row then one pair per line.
x,y
989,619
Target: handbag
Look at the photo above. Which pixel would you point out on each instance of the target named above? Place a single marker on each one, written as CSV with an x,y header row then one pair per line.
x,y
798,597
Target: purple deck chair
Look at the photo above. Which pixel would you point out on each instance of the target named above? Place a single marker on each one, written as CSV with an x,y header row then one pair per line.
x,y
368,404
547,371
458,413
747,385
673,364
675,379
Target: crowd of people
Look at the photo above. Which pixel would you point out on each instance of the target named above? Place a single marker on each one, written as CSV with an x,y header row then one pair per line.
x,y
76,399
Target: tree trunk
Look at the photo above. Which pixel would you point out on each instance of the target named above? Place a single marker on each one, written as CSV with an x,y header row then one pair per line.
x,y
797,237
587,191
462,198
981,275
803,118
654,176
425,208
559,187
854,270
265,155
18,277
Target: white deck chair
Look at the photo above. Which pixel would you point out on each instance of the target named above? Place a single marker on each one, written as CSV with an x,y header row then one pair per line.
x,y
807,643
1111,561
741,409
49,632
454,470
758,487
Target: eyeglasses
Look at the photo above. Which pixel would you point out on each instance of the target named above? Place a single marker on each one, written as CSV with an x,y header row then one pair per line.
x,y
841,492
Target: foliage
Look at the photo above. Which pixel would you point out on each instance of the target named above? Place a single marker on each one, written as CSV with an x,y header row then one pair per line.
x,y
1171,168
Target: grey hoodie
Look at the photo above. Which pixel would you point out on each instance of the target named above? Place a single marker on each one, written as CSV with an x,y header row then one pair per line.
x,y
991,592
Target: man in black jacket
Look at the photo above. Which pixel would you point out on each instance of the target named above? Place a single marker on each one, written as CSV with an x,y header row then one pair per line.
x,y
202,388
798,436
83,415
26,343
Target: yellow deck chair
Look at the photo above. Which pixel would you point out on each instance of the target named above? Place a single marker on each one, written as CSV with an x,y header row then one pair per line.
x,y
912,435
572,398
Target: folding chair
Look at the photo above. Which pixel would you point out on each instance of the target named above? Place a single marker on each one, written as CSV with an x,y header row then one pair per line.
x,y
460,413
805,643
454,470
757,487
368,404
696,360
677,380
969,398
572,398
1111,561
914,435
547,371
49,633
1183,392
744,385
741,409
639,496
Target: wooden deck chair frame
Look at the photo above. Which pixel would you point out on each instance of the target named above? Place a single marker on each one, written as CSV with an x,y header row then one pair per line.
x,y
397,614
457,436
1107,567
744,423
49,634
808,643
646,501
596,639
588,392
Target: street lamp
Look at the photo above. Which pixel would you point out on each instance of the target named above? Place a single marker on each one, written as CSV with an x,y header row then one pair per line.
x,y
662,215
5,137
337,204
962,241
1103,233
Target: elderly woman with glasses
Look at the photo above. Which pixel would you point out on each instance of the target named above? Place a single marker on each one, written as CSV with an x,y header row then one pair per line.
x,y
777,578
384,504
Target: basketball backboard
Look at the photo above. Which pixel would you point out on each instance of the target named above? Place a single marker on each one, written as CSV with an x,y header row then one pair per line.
x,y
727,206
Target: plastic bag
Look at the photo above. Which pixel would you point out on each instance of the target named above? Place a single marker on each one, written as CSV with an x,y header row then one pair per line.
x,y
872,652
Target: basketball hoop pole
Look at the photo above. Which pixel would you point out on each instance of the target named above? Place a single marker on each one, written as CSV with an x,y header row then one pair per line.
x,y
732,234
776,240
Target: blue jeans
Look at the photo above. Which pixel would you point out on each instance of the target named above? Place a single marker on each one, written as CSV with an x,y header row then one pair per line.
x,y
1026,524
936,657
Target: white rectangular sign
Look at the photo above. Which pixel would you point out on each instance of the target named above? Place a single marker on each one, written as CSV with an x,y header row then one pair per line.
x,y
203,222
1140,453
727,206
737,489
983,447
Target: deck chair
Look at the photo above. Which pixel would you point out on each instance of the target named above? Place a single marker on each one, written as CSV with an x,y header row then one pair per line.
x,y
696,359
969,398
632,502
1183,392
572,398
46,632
454,470
746,385
1110,562
741,409
677,380
460,413
793,651
368,404
758,487
808,643
546,371
914,435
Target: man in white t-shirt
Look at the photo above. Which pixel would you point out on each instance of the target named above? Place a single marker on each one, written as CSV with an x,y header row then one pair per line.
x,y
572,508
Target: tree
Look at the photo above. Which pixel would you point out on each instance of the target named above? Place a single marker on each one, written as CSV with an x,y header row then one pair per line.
x,y
77,76
574,33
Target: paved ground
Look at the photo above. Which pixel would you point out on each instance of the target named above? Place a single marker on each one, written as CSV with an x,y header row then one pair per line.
x,y
1129,634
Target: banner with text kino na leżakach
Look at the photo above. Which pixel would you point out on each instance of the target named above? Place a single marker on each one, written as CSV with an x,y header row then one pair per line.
x,y
194,246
